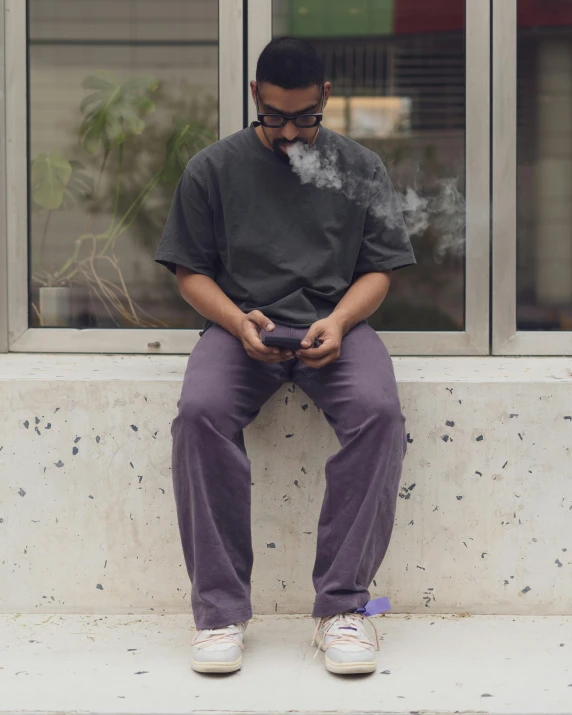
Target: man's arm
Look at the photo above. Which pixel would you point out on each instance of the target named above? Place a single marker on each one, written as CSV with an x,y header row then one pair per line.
x,y
362,299
205,296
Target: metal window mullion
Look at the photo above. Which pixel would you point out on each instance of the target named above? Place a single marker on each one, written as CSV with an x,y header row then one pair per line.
x,y
230,86
504,168
259,35
477,172
3,243
16,168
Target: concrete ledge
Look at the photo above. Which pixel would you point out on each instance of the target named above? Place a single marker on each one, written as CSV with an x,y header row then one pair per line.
x,y
87,518
139,665
30,366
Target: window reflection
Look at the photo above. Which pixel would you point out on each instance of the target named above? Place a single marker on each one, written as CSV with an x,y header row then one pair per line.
x,y
544,146
122,94
398,75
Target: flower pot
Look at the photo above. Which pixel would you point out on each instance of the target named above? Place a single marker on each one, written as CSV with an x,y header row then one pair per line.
x,y
56,307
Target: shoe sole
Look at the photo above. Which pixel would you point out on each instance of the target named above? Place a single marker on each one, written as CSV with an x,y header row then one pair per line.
x,y
347,668
216,666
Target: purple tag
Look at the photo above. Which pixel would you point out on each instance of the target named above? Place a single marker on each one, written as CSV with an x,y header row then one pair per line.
x,y
372,608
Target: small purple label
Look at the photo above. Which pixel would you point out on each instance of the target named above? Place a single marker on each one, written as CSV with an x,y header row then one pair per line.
x,y
372,608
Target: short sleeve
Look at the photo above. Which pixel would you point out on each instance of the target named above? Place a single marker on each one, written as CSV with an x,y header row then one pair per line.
x,y
188,238
385,243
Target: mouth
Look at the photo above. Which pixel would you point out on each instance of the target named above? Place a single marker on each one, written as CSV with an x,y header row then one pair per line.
x,y
290,145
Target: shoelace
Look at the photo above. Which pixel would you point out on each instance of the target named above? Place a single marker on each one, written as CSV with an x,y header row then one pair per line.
x,y
217,635
351,620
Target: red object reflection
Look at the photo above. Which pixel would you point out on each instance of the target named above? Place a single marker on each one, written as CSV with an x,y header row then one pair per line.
x,y
415,17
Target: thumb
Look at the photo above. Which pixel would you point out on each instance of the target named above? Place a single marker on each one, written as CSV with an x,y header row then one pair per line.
x,y
309,338
261,320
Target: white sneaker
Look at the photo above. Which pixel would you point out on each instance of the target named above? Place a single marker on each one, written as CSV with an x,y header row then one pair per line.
x,y
218,650
348,646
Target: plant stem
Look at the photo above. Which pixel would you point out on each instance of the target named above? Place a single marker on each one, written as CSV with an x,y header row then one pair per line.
x,y
135,207
44,235
38,314
89,218
117,188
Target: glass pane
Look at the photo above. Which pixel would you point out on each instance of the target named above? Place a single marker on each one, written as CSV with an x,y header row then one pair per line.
x,y
122,94
544,147
397,69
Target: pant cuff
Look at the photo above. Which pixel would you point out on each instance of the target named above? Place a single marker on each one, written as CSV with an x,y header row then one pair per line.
x,y
335,606
222,618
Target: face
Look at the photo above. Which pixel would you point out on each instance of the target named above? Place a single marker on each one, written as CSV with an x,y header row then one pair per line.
x,y
276,100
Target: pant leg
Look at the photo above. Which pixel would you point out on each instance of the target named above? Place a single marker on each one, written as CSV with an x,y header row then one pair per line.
x,y
358,395
223,391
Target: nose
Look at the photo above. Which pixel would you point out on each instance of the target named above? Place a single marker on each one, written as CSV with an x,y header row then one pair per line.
x,y
290,131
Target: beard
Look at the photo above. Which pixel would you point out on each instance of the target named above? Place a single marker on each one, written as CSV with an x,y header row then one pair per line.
x,y
280,153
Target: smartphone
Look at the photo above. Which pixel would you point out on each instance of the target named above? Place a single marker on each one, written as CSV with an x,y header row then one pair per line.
x,y
285,343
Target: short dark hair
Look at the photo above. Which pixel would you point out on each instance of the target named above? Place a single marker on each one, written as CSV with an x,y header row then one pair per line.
x,y
290,63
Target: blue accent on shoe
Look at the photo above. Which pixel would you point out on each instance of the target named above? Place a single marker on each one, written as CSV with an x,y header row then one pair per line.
x,y
372,608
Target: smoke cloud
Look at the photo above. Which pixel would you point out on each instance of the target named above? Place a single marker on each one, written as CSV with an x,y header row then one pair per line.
x,y
443,208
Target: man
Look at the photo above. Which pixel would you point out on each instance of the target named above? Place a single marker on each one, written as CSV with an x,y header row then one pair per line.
x,y
257,251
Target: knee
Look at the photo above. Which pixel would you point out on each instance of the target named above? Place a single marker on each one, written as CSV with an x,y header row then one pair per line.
x,y
196,410
383,410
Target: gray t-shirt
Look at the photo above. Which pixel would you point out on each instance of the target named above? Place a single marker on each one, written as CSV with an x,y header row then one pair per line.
x,y
275,243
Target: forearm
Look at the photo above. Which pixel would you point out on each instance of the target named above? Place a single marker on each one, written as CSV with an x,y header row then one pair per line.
x,y
205,296
362,299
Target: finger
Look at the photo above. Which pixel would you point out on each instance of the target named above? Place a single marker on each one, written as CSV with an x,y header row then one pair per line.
x,y
311,335
261,320
269,353
315,353
252,337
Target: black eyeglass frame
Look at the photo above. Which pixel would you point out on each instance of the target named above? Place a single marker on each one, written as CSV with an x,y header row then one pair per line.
x,y
318,116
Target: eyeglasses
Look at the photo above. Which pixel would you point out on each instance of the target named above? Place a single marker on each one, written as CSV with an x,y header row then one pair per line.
x,y
302,121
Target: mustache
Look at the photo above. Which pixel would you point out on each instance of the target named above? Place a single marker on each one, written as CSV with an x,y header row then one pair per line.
x,y
288,142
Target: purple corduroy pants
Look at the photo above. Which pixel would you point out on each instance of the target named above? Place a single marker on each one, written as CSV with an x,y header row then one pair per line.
x,y
223,391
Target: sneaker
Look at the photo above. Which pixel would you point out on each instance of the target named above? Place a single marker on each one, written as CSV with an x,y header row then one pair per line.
x,y
218,650
348,646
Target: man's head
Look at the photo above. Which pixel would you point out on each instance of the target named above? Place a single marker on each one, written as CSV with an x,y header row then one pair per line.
x,y
289,82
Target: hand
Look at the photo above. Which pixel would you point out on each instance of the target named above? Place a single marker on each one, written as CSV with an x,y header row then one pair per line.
x,y
248,332
330,333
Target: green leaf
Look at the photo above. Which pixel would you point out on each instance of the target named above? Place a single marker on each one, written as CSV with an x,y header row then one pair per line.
x,y
91,99
114,112
132,123
49,177
79,187
102,80
185,141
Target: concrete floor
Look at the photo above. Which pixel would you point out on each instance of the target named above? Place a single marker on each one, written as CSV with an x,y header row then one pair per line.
x,y
139,665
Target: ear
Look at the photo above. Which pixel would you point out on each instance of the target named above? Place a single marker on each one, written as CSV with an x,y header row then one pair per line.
x,y
327,90
253,90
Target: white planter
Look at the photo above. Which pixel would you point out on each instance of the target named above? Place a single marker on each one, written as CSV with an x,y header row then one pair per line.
x,y
56,307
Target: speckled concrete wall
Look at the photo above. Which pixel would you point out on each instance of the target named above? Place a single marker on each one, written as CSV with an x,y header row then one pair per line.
x,y
87,516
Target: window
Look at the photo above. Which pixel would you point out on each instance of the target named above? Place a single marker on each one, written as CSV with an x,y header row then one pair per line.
x,y
532,177
121,94
398,87
410,81
91,167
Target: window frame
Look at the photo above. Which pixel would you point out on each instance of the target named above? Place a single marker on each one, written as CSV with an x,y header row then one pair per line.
x,y
233,93
474,340
3,176
506,339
